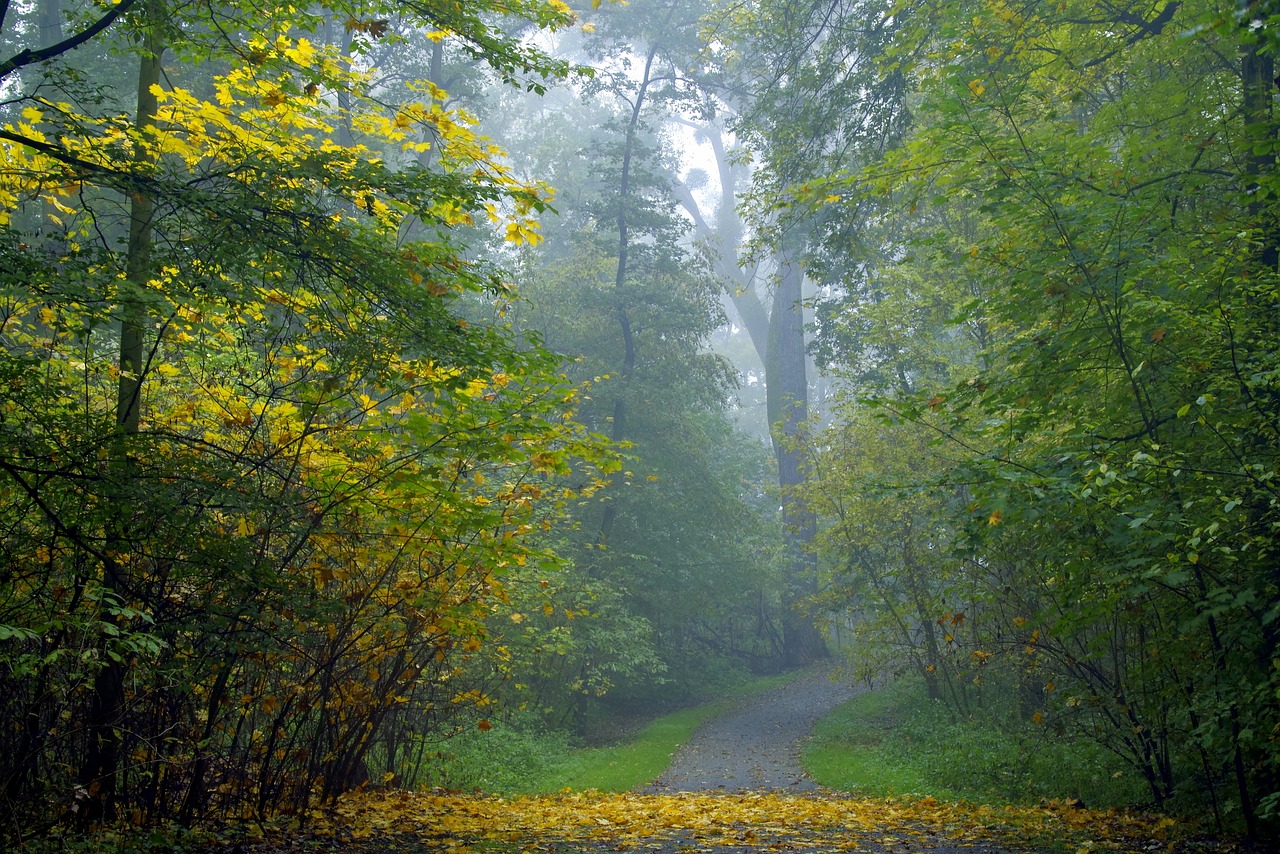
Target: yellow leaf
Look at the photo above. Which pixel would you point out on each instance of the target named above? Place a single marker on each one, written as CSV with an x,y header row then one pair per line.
x,y
303,54
520,233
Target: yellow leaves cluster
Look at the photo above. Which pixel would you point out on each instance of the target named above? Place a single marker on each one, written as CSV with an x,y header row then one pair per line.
x,y
19,166
519,233
764,821
267,110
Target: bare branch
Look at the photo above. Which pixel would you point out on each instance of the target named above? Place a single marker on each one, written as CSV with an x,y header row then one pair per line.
x,y
23,58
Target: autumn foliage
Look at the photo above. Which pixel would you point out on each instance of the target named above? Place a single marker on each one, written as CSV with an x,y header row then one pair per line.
x,y
268,459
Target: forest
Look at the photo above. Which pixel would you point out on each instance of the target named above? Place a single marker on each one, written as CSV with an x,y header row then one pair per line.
x,y
376,374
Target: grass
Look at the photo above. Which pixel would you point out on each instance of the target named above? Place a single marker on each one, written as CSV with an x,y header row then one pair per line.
x,y
513,760
851,750
893,742
883,743
625,766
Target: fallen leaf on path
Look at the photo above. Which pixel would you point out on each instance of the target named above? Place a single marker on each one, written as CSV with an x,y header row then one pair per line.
x,y
764,821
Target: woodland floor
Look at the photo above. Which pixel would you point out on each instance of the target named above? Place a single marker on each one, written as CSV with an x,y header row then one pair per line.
x,y
736,787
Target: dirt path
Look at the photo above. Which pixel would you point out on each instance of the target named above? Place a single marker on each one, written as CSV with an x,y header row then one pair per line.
x,y
757,746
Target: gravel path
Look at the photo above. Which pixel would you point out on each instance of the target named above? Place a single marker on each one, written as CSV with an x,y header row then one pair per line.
x,y
757,746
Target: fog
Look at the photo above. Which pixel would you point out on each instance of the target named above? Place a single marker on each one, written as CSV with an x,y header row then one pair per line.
x,y
384,383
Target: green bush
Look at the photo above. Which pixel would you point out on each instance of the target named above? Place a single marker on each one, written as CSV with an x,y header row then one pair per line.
x,y
511,758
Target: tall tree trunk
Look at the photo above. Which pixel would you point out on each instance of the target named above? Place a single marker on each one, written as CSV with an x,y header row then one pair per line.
x,y
100,772
50,22
787,389
777,335
619,428
1258,89
335,33
1258,95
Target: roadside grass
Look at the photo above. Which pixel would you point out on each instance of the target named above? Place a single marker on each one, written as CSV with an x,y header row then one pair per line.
x,y
512,760
621,767
892,742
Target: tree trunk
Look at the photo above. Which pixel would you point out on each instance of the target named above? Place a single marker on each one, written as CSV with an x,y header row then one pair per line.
x,y
778,338
618,432
1258,94
788,405
50,22
1258,90
99,774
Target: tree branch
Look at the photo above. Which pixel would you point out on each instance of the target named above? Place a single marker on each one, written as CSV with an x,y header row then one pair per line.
x,y
26,57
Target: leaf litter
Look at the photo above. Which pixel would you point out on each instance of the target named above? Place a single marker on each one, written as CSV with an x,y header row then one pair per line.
x,y
379,822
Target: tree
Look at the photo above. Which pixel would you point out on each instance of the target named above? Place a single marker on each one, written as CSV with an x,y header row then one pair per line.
x,y
262,482
1113,164
792,83
687,561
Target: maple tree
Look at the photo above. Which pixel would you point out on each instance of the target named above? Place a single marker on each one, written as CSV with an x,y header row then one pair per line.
x,y
263,483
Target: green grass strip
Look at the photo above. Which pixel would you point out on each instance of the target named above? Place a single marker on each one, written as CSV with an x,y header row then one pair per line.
x,y
855,749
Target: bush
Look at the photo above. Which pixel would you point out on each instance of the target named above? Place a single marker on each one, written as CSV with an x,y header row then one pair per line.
x,y
510,758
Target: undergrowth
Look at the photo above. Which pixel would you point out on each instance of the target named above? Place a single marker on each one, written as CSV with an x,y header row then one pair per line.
x,y
893,741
